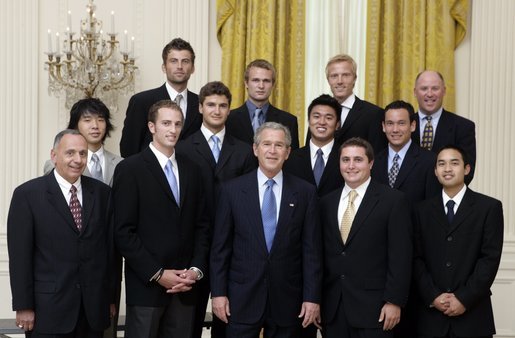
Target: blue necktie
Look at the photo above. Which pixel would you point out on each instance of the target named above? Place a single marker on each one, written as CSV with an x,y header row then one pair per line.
x,y
269,214
216,148
450,210
256,119
96,168
318,169
172,180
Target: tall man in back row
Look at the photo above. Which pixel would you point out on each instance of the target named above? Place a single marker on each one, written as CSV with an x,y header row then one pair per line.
x,y
178,65
244,121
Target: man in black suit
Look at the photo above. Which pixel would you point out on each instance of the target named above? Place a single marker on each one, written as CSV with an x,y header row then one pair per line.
x,y
368,250
243,121
220,157
440,126
178,65
359,118
266,254
317,162
403,165
161,229
458,246
60,248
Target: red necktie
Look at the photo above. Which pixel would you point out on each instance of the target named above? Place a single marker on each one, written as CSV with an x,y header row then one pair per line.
x,y
76,208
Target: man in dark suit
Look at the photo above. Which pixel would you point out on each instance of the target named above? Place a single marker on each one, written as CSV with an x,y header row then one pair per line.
x,y
59,241
368,250
457,255
359,118
266,251
403,165
220,157
178,65
317,162
243,121
444,127
161,229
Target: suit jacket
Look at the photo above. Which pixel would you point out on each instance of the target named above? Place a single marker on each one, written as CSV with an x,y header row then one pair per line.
x,y
111,161
239,124
135,133
416,176
462,258
152,231
299,164
456,130
53,267
364,120
241,266
236,158
374,265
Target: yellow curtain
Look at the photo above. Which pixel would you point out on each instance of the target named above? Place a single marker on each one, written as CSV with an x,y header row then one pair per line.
x,y
405,37
264,29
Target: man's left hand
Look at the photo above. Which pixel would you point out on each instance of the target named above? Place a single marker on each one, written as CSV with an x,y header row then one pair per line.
x,y
390,316
311,314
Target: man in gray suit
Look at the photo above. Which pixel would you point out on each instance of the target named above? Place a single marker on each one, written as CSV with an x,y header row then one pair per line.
x,y
92,119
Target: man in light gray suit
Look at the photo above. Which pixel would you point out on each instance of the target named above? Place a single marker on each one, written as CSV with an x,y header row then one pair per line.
x,y
92,119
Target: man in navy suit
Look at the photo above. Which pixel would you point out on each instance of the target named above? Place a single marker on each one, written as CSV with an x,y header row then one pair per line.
x,y
244,120
444,127
220,158
458,247
367,250
266,251
323,120
60,248
178,65
403,164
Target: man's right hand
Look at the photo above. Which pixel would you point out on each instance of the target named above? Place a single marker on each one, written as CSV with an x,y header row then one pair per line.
x,y
25,319
221,308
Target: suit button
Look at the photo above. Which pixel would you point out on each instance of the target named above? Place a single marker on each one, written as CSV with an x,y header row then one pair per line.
x,y
343,253
77,286
449,239
448,290
342,277
448,264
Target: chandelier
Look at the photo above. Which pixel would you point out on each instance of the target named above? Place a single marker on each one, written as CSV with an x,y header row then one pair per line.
x,y
92,64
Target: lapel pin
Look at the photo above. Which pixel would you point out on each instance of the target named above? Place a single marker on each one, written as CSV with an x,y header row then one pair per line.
x,y
292,205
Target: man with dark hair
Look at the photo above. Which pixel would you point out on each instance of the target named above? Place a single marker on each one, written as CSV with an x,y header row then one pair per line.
x,y
317,162
243,121
368,250
437,127
161,229
92,119
220,157
178,65
59,239
458,247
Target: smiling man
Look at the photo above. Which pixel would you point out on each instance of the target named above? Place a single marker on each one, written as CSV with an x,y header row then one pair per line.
x,y
178,65
243,121
367,250
266,253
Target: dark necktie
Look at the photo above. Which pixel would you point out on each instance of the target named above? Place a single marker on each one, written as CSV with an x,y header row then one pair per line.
x,y
76,208
318,169
450,210
394,171
427,135
269,214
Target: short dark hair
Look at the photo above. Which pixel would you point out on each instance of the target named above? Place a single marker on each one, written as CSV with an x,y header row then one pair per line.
x,y
260,63
91,106
399,104
362,143
152,112
214,88
178,44
59,136
460,150
326,100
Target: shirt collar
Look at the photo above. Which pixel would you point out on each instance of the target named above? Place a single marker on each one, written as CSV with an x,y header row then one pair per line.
x,y
161,158
173,93
457,199
436,115
349,102
64,184
325,149
252,107
262,178
402,152
208,133
99,152
360,190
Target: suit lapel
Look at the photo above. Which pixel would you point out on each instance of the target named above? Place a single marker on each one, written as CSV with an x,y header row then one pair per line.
x,y
191,111
381,167
305,159
367,205
244,123
354,114
287,206
464,210
157,172
56,198
109,166
88,202
408,163
439,213
415,136
443,130
202,147
332,162
334,224
225,154
255,221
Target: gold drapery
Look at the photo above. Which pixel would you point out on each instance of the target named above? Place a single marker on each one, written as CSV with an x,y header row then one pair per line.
x,y
264,29
405,37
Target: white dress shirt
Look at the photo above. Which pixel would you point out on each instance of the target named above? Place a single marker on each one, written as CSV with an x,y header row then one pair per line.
x,y
344,199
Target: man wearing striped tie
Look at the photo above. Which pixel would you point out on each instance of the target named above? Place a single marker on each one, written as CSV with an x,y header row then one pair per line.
x,y
367,250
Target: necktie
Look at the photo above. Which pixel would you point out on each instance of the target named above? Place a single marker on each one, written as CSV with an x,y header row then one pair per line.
x,y
76,208
394,171
96,168
427,135
178,99
348,216
172,180
318,169
256,119
269,214
450,210
215,149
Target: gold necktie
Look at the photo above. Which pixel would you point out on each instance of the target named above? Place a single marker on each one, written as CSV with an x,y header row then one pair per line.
x,y
348,216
